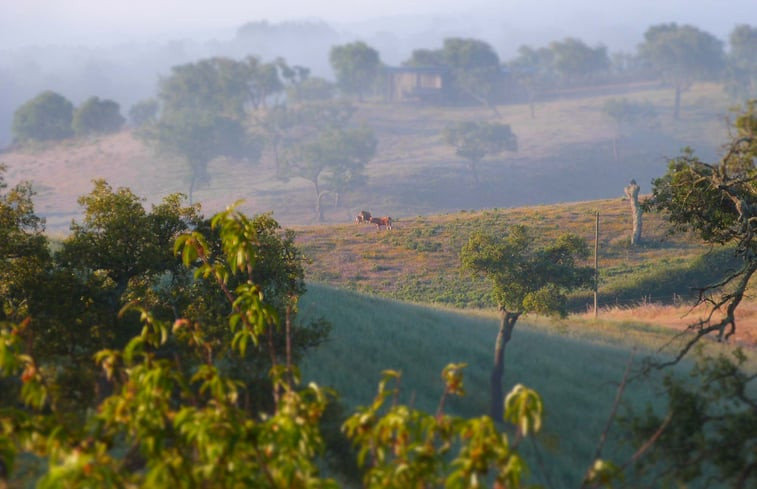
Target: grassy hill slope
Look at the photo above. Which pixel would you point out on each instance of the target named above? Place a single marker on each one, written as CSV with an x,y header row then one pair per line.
x,y
419,258
577,378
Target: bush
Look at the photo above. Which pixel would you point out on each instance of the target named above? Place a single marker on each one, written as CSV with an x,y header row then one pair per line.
x,y
97,116
46,117
143,112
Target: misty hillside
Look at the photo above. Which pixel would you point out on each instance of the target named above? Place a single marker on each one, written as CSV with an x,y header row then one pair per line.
x,y
565,153
42,49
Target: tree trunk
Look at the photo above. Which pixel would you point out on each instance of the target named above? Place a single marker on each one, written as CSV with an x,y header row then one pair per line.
x,y
677,106
318,198
632,192
192,182
498,370
473,165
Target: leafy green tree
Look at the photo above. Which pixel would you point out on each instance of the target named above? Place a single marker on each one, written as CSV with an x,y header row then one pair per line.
x,y
475,68
144,112
682,55
166,425
533,69
718,202
23,248
524,278
572,58
46,117
422,58
199,138
210,86
262,80
625,113
97,116
356,66
313,89
741,72
707,433
203,113
333,161
476,140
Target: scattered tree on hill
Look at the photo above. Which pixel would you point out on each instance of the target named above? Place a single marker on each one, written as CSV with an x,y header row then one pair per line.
x,y
475,69
741,72
572,58
199,138
143,112
261,80
682,55
356,66
47,116
313,89
626,113
97,116
333,161
476,140
209,86
524,278
533,69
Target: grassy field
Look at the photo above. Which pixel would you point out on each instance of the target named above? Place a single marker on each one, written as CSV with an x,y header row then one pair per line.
x,y
418,259
574,366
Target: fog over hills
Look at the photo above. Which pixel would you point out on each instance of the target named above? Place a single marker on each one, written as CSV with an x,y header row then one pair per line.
x,y
83,48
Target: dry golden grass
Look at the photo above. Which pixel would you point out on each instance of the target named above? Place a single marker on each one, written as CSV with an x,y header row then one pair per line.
x,y
679,317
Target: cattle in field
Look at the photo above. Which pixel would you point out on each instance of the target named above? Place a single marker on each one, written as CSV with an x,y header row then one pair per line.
x,y
363,216
385,221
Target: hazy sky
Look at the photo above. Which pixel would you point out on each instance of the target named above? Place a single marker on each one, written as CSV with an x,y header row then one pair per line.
x,y
25,22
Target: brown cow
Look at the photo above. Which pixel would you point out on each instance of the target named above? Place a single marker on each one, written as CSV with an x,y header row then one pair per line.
x,y
385,221
363,216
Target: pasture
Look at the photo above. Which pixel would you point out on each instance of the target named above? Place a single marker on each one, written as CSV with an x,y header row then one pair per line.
x,y
576,368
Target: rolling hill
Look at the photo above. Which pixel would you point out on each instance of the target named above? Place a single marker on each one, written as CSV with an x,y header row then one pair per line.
x,y
576,371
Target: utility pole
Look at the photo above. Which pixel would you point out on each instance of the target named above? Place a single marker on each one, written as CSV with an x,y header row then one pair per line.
x,y
596,264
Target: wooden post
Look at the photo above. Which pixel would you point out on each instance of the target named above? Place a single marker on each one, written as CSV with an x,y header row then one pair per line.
x,y
596,264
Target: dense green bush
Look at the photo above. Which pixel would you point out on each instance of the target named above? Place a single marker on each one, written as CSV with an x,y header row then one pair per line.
x,y
97,116
48,116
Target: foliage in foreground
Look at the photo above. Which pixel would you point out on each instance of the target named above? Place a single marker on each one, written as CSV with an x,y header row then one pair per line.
x,y
163,426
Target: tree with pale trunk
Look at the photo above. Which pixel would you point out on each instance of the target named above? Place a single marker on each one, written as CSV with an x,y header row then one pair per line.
x,y
632,192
